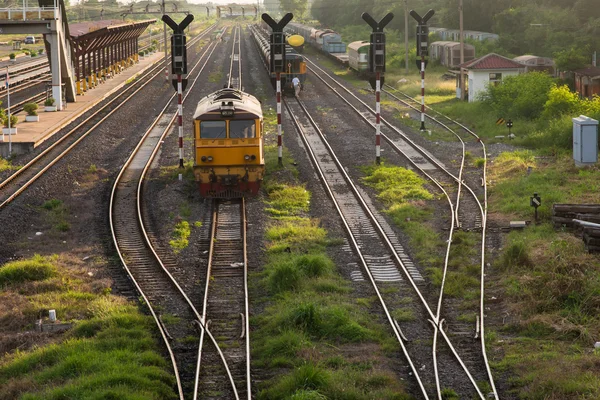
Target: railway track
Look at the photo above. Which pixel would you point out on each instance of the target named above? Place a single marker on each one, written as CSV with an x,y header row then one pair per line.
x,y
472,213
178,319
225,306
23,178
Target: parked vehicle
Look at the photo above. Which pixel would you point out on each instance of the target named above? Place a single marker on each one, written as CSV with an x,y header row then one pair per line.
x,y
30,40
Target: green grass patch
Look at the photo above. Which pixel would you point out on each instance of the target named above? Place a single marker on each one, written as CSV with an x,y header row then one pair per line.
x,y
550,283
286,200
403,315
308,314
216,76
556,179
37,268
111,355
396,185
296,235
464,270
314,381
110,352
52,204
5,165
57,214
180,235
172,172
543,369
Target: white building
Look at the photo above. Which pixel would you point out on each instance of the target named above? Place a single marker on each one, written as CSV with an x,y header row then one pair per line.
x,y
490,69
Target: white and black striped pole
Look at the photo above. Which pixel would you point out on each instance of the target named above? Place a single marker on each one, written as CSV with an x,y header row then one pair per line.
x,y
279,139
422,92
377,118
179,68
377,66
423,51
277,66
180,122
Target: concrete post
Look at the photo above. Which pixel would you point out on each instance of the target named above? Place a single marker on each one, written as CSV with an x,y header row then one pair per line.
x,y
56,73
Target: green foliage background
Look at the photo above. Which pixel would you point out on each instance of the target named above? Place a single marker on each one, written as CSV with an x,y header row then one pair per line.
x,y
566,28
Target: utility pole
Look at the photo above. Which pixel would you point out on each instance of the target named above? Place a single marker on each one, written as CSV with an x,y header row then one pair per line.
x,y
461,82
165,41
406,33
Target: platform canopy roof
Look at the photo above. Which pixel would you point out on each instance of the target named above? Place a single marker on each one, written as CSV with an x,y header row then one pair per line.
x,y
94,35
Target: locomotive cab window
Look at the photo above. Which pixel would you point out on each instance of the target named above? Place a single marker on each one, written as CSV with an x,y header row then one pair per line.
x,y
242,129
213,129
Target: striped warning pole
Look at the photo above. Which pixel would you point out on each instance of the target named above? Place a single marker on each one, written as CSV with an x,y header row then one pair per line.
x,y
180,121
422,92
279,141
377,118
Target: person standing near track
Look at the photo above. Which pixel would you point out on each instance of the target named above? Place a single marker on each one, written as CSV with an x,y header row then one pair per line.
x,y
296,83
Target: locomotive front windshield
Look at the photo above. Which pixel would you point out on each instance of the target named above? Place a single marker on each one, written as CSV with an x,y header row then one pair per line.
x,y
242,129
213,129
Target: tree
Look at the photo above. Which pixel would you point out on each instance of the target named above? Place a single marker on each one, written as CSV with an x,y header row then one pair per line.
x,y
569,60
297,7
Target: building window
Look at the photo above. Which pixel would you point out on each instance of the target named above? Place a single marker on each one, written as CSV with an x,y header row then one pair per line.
x,y
495,78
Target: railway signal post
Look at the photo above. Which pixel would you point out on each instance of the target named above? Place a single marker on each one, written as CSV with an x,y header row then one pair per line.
x,y
277,65
377,67
423,51
179,71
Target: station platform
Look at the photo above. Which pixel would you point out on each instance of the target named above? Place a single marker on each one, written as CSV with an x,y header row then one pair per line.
x,y
31,134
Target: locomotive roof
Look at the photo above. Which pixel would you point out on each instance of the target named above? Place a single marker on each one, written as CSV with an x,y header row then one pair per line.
x,y
359,44
246,105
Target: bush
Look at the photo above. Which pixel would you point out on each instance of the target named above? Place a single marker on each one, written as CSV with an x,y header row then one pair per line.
x,y
521,96
561,101
30,108
41,51
33,53
12,56
50,102
13,120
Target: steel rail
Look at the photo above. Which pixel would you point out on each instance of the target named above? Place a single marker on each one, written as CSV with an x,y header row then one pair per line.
x,y
230,74
433,317
355,244
50,148
240,58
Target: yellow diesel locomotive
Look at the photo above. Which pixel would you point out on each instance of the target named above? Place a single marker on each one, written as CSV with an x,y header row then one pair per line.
x,y
228,132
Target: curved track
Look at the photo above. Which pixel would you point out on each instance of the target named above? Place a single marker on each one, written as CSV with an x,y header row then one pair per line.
x,y
473,218
157,287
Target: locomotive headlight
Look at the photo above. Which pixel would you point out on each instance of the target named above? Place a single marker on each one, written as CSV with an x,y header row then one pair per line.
x,y
253,157
203,158
247,157
210,158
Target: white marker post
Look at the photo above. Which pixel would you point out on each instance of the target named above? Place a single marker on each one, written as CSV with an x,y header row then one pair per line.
x,y
8,99
422,93
377,118
180,122
279,140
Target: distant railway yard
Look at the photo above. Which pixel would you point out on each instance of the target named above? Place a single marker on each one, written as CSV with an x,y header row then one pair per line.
x,y
324,276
